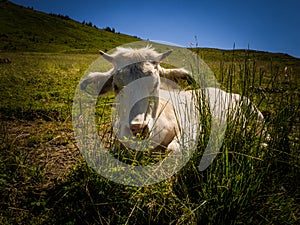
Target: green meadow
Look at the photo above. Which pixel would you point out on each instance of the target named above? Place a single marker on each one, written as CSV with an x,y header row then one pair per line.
x,y
45,180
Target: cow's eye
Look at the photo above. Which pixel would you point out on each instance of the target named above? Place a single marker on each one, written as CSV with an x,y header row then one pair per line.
x,y
153,62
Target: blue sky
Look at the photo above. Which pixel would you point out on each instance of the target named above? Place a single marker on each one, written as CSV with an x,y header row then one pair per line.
x,y
262,24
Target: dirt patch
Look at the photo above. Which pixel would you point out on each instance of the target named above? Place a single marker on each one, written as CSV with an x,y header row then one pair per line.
x,y
49,147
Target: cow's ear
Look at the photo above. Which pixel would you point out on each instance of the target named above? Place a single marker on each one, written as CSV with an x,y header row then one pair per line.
x,y
102,83
177,75
173,74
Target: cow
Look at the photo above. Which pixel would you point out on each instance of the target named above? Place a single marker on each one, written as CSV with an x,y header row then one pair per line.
x,y
148,109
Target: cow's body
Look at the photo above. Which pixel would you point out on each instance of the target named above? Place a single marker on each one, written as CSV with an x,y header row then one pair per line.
x,y
170,117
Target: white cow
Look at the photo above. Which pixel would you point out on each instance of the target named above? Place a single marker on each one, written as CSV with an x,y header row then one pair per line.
x,y
166,117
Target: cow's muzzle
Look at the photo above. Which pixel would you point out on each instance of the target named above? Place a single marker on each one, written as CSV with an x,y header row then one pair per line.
x,y
140,130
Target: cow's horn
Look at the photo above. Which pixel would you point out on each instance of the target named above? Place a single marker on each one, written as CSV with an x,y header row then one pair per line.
x,y
164,55
106,56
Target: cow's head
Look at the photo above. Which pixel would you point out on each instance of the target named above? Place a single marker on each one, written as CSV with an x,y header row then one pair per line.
x,y
131,65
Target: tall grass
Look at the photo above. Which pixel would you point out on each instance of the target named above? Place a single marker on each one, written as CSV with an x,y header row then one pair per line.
x,y
247,183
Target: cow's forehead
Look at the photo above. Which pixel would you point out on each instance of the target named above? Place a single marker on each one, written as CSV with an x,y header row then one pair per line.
x,y
128,56
135,71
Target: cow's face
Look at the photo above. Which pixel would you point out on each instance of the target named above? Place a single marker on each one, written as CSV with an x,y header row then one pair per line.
x,y
138,88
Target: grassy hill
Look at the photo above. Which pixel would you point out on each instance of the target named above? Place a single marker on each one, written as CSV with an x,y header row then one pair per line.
x,y
24,29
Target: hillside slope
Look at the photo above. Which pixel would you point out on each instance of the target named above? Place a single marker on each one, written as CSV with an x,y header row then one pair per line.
x,y
24,29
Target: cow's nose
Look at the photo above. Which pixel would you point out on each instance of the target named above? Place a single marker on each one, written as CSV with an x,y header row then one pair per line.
x,y
139,130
